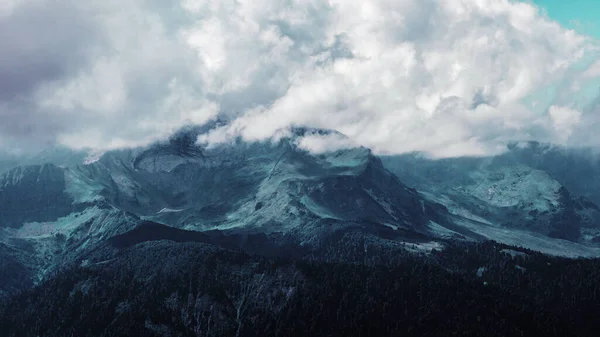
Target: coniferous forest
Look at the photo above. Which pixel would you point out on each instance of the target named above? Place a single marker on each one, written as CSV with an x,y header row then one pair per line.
x,y
166,288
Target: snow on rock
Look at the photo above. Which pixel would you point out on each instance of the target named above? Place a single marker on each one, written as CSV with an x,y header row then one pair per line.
x,y
93,156
514,253
80,188
423,247
441,231
170,210
516,186
531,240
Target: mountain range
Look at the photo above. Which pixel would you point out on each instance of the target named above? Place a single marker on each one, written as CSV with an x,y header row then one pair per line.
x,y
60,211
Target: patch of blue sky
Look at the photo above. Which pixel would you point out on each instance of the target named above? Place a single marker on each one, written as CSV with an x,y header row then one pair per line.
x,y
579,15
582,17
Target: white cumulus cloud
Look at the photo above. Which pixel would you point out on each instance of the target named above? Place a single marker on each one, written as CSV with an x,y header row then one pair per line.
x,y
322,143
451,78
564,120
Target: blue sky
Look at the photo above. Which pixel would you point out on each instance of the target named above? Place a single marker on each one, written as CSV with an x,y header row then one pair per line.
x,y
581,15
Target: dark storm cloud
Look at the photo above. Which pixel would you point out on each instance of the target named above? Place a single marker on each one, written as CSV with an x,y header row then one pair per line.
x,y
42,41
85,67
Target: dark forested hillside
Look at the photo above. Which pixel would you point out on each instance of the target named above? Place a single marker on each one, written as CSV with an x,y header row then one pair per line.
x,y
163,288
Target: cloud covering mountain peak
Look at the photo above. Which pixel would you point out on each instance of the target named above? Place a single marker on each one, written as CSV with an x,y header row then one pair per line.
x,y
450,78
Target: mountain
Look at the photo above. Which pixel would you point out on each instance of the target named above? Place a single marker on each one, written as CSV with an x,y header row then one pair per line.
x,y
578,169
524,189
46,213
279,195
265,238
57,155
242,190
33,194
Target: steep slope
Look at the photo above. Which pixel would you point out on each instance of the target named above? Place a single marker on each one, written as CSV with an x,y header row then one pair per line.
x,y
7,162
578,169
258,194
266,187
33,193
57,155
502,192
178,239
46,212
277,196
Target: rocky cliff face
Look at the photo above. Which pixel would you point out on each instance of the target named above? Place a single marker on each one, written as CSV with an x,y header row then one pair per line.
x,y
271,186
275,192
278,196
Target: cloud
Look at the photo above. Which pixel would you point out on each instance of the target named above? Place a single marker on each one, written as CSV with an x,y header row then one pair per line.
x,y
564,120
103,74
449,78
446,78
593,71
40,42
322,143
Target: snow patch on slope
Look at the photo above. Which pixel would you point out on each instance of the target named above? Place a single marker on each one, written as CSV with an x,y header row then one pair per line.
x,y
516,186
422,247
453,207
531,240
169,210
441,231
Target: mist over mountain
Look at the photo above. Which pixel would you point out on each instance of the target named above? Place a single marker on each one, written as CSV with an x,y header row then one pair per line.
x,y
538,187
299,168
68,223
